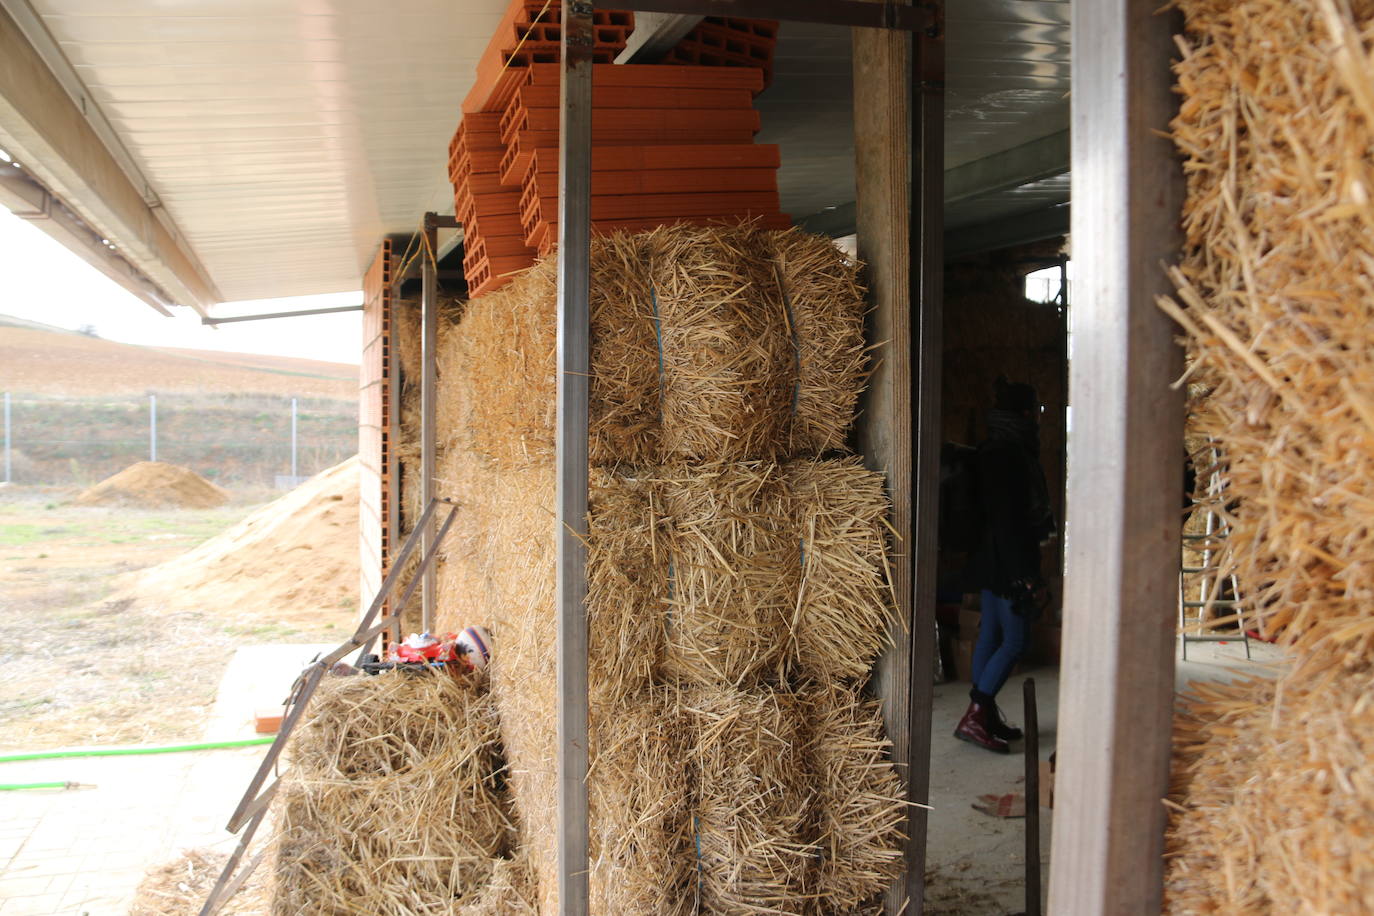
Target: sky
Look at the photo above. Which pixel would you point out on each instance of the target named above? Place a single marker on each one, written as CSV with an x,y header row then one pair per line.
x,y
41,280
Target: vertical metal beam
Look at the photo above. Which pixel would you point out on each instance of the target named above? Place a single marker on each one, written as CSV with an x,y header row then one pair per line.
x,y
152,427
574,365
9,469
429,342
1124,473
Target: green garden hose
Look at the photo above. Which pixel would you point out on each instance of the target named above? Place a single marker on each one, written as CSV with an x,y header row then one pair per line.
x,y
13,786
133,751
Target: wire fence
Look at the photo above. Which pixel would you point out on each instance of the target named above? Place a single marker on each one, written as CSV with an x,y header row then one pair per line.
x,y
233,440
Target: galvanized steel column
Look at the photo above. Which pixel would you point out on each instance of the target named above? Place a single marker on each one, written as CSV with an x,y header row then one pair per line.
x,y
574,362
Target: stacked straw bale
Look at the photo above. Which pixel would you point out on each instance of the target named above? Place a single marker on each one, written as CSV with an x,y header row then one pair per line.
x,y
738,587
1274,785
394,802
722,343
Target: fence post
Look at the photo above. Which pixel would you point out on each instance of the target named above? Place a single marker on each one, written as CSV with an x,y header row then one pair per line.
x,y
152,427
293,442
9,469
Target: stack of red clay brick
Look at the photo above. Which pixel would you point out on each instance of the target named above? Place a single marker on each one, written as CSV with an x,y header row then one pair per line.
x,y
670,143
726,42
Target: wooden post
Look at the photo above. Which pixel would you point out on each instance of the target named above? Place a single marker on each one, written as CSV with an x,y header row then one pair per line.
x,y
574,366
1124,470
898,147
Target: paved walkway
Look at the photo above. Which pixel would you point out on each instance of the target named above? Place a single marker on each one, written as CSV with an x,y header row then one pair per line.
x,y
83,852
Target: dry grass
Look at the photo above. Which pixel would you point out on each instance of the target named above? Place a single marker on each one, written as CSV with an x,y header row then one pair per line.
x,y
180,887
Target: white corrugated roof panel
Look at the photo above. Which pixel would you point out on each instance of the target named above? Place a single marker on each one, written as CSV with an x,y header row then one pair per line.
x,y
284,137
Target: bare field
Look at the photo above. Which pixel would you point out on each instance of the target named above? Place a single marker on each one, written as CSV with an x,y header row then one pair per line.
x,y
82,659
35,361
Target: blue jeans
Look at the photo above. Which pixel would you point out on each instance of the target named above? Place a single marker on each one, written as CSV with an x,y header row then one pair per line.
x,y
1001,640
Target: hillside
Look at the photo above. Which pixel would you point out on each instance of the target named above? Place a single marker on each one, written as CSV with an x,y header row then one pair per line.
x,y
39,360
80,409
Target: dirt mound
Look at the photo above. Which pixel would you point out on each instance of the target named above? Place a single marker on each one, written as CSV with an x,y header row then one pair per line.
x,y
155,485
293,560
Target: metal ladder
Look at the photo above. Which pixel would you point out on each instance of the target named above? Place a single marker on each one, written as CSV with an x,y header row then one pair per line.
x,y
252,809
1210,586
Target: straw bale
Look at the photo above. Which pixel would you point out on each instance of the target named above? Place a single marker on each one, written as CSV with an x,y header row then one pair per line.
x,y
642,855
708,343
729,359
1274,795
1275,293
752,802
628,560
844,602
860,799
510,890
394,801
734,570
626,416
825,310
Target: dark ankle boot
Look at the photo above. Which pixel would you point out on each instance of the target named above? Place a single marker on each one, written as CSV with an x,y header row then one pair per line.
x,y
999,727
975,728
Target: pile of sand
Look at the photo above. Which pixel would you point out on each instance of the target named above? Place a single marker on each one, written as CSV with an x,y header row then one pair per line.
x,y
293,560
155,485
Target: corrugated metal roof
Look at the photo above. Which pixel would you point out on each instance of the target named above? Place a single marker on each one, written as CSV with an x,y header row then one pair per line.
x,y
284,137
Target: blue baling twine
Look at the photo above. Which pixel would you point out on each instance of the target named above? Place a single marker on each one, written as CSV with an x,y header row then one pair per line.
x,y
658,338
696,836
792,332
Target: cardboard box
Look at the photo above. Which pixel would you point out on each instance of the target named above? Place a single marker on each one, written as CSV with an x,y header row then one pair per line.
x,y
267,720
1047,783
969,622
963,659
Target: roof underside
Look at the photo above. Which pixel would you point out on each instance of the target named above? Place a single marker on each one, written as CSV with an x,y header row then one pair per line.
x,y
284,138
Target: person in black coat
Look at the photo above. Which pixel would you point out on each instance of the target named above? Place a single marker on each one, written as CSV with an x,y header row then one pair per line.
x,y
1014,506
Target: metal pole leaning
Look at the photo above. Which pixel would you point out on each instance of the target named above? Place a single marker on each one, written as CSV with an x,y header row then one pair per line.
x,y
9,464
574,290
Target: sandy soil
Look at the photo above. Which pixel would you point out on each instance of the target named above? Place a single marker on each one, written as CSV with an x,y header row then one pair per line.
x,y
81,664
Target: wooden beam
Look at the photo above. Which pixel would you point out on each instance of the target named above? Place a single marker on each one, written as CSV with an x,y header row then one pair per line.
x,y
1125,474
574,367
886,215
42,127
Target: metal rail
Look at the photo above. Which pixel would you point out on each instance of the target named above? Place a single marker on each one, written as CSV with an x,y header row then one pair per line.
x,y
253,807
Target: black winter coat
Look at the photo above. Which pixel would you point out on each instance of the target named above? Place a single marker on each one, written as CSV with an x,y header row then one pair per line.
x,y
1016,516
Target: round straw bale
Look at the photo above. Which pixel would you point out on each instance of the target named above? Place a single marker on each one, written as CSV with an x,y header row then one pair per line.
x,y
642,858
825,310
734,568
752,801
728,358
844,604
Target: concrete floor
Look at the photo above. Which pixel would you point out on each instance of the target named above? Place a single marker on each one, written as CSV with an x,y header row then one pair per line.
x,y
974,862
